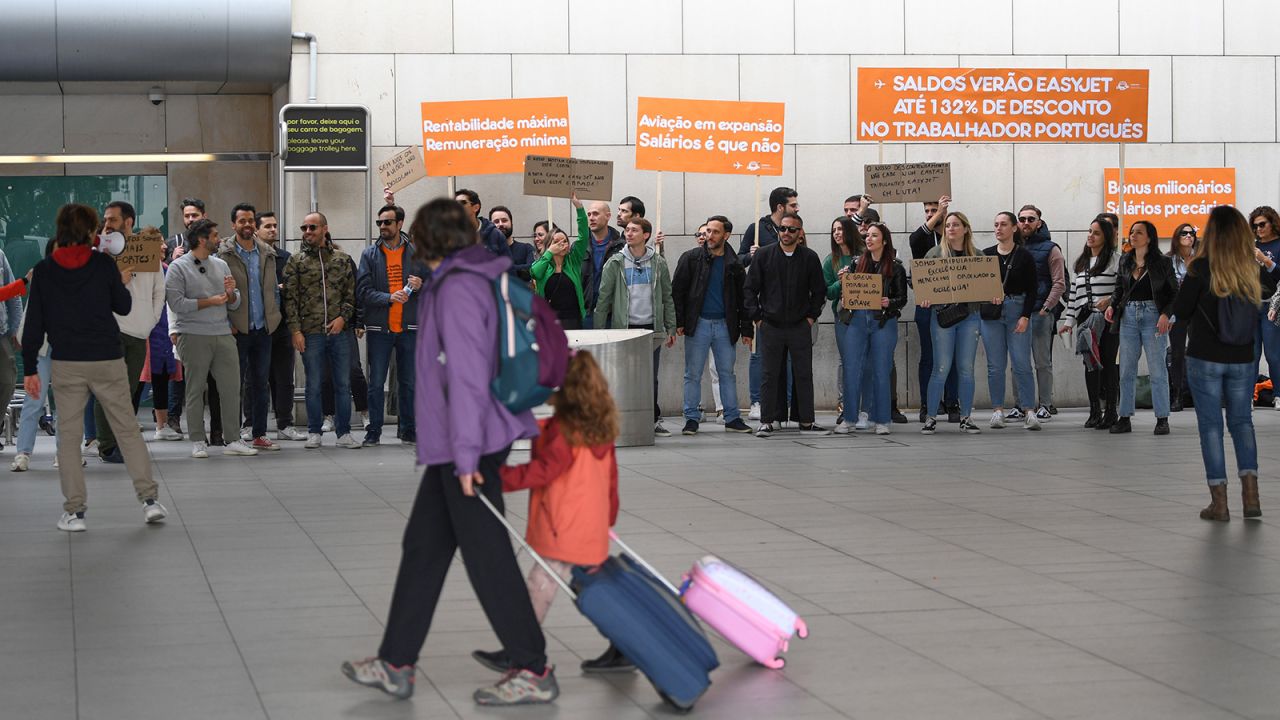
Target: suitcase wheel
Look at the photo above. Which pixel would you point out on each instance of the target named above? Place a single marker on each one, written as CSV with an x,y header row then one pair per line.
x,y
802,629
776,663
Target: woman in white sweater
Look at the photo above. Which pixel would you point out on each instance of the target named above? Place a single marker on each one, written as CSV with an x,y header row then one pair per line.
x,y
1095,279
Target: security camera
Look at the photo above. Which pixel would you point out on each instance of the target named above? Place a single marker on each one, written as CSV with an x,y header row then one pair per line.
x,y
156,95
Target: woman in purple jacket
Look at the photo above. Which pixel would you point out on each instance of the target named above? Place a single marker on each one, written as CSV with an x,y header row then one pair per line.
x,y
468,434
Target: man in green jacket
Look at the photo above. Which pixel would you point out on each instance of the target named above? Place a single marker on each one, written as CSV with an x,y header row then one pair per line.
x,y
635,292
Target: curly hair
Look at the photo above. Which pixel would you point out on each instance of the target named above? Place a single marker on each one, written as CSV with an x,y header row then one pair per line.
x,y
584,406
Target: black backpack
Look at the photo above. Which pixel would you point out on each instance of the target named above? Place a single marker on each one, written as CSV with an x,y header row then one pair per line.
x,y
1237,321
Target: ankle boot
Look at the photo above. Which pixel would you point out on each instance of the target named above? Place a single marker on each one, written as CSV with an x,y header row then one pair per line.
x,y
1123,425
1217,508
1108,418
1249,492
1095,415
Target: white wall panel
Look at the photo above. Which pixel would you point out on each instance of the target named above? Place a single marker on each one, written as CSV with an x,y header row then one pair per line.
x,y
816,89
112,124
1064,181
618,26
1158,27
511,26
367,80
1257,174
420,78
1053,26
384,26
704,77
840,26
1247,26
976,27
595,84
827,174
982,178
1224,99
32,124
743,26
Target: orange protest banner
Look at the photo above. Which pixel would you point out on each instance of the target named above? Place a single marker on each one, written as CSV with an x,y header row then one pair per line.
x,y
1168,197
487,137
709,136
1022,105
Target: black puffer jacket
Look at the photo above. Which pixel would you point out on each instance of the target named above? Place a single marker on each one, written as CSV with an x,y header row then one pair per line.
x,y
689,289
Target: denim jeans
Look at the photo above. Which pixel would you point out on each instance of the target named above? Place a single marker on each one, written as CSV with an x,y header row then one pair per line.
x,y
1211,383
1267,341
866,358
924,326
1138,335
380,345
956,346
332,350
254,348
710,337
1002,345
33,409
1043,330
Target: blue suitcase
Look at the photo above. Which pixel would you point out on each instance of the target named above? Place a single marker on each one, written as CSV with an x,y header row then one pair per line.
x,y
641,615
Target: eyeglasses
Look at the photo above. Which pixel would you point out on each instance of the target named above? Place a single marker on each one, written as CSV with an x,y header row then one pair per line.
x,y
1260,224
785,229
384,223
1027,219
1190,233
305,228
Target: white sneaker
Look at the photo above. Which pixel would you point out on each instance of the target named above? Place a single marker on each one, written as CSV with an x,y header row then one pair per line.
x,y
1276,403
754,414
348,443
20,462
882,429
290,433
154,512
1032,423
842,428
864,422
246,434
164,432
1043,414
238,447
90,448
327,425
200,450
313,441
364,420
997,420
71,522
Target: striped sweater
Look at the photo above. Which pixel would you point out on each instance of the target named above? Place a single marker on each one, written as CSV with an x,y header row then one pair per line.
x,y
1087,290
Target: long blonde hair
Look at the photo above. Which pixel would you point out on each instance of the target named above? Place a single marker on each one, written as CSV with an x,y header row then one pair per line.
x,y
969,249
1228,247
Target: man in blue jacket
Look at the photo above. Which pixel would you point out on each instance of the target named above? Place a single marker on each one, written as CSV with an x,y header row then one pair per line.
x,y
490,236
388,276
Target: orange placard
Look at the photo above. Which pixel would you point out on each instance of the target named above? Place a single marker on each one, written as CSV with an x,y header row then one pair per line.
x,y
488,137
989,105
1168,197
709,136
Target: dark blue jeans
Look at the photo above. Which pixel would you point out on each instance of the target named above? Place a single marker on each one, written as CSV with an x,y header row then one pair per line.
x,y
255,367
334,351
380,345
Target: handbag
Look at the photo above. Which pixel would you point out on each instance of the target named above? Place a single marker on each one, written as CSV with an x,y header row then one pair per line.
x,y
994,311
951,314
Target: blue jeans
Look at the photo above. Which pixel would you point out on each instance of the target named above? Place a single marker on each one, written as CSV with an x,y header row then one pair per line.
x,y
924,326
1211,383
335,351
1043,330
1003,344
955,346
33,409
380,345
254,349
710,337
1138,335
866,357
1266,341
90,425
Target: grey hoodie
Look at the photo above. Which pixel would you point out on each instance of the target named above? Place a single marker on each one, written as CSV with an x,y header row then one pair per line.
x,y
638,274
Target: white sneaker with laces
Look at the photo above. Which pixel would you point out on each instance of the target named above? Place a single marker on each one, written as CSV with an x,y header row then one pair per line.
x,y
200,450
882,429
90,448
290,433
997,420
154,512
842,428
164,432
313,441
1031,422
246,434
20,462
1276,403
864,422
348,443
327,425
71,522
754,413
238,447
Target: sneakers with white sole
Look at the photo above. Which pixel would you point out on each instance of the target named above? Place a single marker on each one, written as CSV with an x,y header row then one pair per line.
x,y
21,462
375,673
864,422
71,522
347,442
238,447
842,428
882,429
754,413
520,687
327,425
290,433
154,512
1031,423
997,420
967,425
1043,414
200,450
313,441
166,433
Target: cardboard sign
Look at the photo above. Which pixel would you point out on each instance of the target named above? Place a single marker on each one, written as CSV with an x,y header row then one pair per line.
x,y
488,137
1168,197
971,278
907,182
562,177
142,252
1002,105
402,170
709,136
861,291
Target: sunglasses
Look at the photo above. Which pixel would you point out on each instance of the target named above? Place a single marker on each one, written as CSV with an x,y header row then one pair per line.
x,y
384,223
1027,219
305,228
1190,233
1262,224
785,229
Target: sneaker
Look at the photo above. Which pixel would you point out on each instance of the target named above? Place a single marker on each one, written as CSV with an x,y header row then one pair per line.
x,y
520,687
20,462
246,434
290,433
1014,414
660,431
882,429
262,444
114,457
363,420
1043,414
409,439
347,442
754,413
610,661
496,661
967,426
327,425
997,420
199,450
737,426
1276,403
1032,422
898,418
864,422
238,447
164,432
370,441
813,429
842,428
90,447
174,424
690,428
372,672
765,430
154,512
930,426
313,441
72,522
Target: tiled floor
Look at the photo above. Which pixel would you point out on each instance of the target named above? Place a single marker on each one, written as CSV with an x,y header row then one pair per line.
x,y
1061,574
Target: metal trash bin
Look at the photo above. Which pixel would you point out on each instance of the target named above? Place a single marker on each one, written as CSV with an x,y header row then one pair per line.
x,y
626,359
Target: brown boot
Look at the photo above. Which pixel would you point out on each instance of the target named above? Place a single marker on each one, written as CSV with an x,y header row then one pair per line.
x,y
1249,491
1217,509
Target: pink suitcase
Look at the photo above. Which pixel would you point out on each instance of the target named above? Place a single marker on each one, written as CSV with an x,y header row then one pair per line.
x,y
742,610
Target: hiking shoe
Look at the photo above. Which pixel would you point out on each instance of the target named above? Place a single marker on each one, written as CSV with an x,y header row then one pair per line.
x,y
930,426
610,661
313,441
690,428
765,430
520,687
372,672
660,431
882,429
327,425
496,661
164,432
1043,414
20,462
842,428
997,420
813,429
1031,422
72,522
967,426
290,433
347,442
864,422
237,447
199,450
754,413
736,425
262,444
1014,414
153,512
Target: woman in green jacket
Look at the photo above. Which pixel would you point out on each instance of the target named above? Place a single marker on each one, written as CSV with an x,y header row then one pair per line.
x,y
558,273
846,244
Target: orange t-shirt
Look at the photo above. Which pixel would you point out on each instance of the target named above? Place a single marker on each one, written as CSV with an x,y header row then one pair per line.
x,y
395,282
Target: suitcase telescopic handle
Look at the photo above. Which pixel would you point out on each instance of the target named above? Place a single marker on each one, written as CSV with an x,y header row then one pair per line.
x,y
652,570
520,539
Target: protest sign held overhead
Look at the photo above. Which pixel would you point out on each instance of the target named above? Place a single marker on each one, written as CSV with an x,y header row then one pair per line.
x,y
969,278
1168,197
488,137
1004,105
907,182
861,291
563,177
709,136
401,170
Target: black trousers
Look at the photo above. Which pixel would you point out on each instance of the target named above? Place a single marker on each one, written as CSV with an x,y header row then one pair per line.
x,y
444,520
1178,387
1104,384
777,345
280,378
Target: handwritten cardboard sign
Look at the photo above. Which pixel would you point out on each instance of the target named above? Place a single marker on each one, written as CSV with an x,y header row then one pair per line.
x,y
957,279
907,182
492,137
562,177
402,170
861,291
142,252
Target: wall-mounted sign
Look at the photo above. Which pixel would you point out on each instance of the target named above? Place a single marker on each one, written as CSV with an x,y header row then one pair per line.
x,y
319,138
